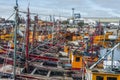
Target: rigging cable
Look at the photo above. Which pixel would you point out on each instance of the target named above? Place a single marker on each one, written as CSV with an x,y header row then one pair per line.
x,y
1,27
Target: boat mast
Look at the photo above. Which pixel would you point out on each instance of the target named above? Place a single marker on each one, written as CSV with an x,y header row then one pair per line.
x,y
15,38
27,38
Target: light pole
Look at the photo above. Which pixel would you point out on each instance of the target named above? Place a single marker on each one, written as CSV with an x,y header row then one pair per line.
x,y
73,12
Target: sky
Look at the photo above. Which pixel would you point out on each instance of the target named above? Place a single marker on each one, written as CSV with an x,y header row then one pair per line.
x,y
87,8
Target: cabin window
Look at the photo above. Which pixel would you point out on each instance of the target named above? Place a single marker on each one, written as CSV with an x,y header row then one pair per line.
x,y
111,78
99,78
29,70
56,73
77,59
43,72
52,64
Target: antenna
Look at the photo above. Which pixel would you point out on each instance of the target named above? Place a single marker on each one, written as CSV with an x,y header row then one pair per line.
x,y
28,4
16,3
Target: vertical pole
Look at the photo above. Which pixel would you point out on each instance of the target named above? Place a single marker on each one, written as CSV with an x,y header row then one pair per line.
x,y
112,61
53,30
50,18
15,38
0,35
118,28
34,28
